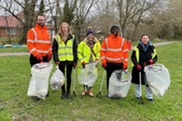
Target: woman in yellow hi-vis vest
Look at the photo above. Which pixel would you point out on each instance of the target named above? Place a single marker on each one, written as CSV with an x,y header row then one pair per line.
x,y
143,54
65,54
88,51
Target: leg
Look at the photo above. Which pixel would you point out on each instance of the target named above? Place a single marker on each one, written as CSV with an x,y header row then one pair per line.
x,y
62,68
33,60
84,90
137,91
149,94
68,76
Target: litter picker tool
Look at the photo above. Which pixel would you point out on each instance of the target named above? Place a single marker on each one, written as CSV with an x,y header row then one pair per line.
x,y
100,90
140,83
74,82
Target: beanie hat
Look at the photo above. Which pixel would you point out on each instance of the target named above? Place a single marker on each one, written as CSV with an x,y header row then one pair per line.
x,y
114,27
89,32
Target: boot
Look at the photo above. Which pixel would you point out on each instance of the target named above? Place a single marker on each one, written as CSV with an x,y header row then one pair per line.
x,y
90,92
84,90
83,93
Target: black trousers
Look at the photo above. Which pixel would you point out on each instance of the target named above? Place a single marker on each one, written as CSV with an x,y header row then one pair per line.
x,y
110,68
69,66
33,60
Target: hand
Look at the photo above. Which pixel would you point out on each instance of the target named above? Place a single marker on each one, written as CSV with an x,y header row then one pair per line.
x,y
83,64
151,61
49,57
57,63
97,59
104,65
39,58
124,67
138,67
74,65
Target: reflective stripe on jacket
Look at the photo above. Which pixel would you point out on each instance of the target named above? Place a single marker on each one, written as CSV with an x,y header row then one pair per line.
x,y
38,41
114,50
84,51
65,51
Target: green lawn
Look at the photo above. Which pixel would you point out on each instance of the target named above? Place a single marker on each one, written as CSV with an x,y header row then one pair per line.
x,y
18,49
15,105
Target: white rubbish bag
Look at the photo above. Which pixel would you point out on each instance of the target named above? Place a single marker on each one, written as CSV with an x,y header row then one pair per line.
x,y
119,84
88,75
39,80
57,79
158,79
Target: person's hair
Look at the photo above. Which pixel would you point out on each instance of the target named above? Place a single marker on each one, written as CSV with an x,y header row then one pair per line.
x,y
60,30
40,14
114,27
145,34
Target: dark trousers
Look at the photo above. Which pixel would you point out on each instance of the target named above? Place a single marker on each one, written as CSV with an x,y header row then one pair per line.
x,y
110,68
33,60
69,66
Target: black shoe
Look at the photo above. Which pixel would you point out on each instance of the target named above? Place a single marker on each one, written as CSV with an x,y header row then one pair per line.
x,y
137,97
35,98
63,96
151,100
47,95
68,96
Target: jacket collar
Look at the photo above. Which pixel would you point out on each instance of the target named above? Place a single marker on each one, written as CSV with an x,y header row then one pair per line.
x,y
40,27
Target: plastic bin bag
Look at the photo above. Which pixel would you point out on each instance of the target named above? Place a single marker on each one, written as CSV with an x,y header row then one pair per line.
x,y
88,75
158,79
57,79
119,84
39,80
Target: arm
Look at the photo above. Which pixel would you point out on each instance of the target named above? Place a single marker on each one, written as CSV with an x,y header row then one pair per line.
x,y
55,50
75,46
133,58
103,52
30,43
97,50
125,53
80,52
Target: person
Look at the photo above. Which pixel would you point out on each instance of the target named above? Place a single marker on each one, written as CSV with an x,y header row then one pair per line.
x,y
114,53
143,54
88,51
39,43
65,54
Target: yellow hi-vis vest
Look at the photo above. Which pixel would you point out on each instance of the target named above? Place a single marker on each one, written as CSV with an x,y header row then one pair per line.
x,y
65,52
137,54
84,52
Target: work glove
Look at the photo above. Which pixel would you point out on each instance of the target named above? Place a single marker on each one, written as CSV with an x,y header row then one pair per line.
x,y
151,61
49,57
57,63
104,65
74,64
139,68
83,64
97,59
39,58
124,67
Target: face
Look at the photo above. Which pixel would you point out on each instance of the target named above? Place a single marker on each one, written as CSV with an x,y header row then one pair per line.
x,y
145,39
90,37
64,28
41,20
115,31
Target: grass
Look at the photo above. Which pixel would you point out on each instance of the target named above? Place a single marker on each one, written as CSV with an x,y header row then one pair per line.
x,y
18,49
15,105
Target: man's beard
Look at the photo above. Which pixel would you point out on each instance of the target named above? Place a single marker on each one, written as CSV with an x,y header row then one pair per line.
x,y
41,24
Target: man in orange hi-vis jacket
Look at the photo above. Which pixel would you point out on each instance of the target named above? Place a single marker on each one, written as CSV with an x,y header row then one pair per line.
x,y
38,42
114,53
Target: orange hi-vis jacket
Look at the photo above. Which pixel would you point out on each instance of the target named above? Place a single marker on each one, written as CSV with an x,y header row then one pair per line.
x,y
38,41
114,50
